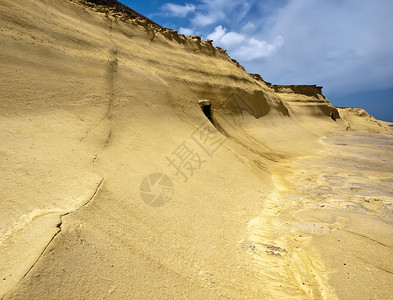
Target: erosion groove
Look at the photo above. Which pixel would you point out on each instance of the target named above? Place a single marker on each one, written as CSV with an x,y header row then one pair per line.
x,y
371,239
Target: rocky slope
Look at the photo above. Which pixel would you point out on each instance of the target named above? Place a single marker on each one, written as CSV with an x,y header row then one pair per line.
x,y
115,183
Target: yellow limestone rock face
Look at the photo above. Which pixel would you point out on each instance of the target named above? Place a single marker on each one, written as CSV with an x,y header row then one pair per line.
x,y
137,163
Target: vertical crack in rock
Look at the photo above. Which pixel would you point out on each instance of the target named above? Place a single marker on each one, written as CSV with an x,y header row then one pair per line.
x,y
153,37
59,229
108,139
111,74
113,66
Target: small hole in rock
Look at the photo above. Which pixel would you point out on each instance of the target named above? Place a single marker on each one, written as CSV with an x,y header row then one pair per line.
x,y
206,108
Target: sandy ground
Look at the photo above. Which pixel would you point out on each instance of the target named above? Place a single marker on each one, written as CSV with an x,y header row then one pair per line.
x,y
115,185
336,210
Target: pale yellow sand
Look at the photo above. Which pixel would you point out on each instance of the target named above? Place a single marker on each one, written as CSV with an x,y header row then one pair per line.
x,y
284,202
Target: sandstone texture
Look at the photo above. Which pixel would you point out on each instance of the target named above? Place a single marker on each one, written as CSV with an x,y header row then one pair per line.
x,y
138,163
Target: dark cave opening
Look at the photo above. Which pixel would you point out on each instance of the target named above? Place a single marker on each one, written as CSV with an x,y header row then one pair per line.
x,y
206,108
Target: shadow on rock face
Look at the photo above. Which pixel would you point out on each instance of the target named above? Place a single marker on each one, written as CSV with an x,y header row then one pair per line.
x,y
258,104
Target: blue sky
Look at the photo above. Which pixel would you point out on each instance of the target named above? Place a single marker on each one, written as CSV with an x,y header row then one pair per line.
x,y
344,45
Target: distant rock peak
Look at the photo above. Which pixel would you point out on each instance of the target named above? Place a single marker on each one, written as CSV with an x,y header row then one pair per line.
x,y
308,90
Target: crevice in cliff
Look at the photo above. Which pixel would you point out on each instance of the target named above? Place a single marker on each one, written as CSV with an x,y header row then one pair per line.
x,y
153,37
206,109
108,139
110,78
60,229
102,119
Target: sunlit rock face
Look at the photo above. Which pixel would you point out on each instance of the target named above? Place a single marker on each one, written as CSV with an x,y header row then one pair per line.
x,y
138,163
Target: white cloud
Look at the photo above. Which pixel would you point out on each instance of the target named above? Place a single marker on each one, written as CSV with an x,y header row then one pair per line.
x,y
248,27
217,34
243,47
212,11
255,49
232,40
345,45
186,31
178,10
201,20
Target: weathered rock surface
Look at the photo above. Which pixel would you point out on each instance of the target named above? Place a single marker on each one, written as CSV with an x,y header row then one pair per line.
x,y
115,184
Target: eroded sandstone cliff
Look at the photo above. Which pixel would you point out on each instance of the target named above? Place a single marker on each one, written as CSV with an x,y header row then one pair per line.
x,y
97,100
